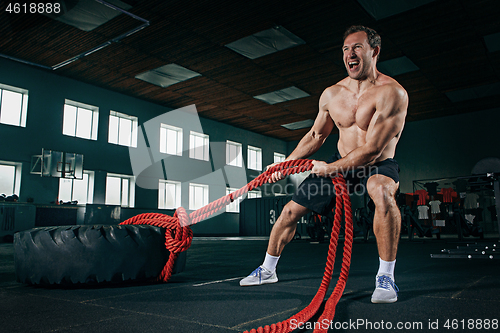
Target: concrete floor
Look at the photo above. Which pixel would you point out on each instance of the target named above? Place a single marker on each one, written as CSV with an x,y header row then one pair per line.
x,y
206,297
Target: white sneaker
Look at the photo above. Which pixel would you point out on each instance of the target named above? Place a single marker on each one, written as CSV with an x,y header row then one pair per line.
x,y
259,276
386,290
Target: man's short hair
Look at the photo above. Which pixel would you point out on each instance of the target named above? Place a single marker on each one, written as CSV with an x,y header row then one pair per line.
x,y
373,37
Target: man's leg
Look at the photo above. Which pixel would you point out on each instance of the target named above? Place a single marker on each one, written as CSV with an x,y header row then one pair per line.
x,y
386,227
284,228
281,234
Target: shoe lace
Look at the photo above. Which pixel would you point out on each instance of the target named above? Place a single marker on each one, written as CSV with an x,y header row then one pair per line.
x,y
385,282
258,272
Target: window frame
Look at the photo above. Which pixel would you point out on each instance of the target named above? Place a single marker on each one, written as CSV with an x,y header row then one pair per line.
x,y
279,156
192,147
94,122
162,204
254,165
237,161
206,193
16,186
130,190
133,130
163,146
23,112
90,187
233,207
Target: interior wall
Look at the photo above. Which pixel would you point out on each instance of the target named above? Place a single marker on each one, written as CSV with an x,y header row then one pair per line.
x,y
47,93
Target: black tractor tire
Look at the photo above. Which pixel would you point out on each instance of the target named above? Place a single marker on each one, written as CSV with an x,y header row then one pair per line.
x,y
91,254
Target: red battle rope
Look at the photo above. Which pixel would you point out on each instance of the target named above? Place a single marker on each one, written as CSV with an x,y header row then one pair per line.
x,y
178,238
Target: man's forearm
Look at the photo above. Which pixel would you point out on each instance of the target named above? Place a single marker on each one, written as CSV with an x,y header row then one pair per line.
x,y
306,147
359,157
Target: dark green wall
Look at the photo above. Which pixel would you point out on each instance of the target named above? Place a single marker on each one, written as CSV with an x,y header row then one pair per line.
x,y
47,92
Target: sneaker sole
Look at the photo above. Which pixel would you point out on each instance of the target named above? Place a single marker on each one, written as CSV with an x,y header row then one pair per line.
x,y
258,284
384,301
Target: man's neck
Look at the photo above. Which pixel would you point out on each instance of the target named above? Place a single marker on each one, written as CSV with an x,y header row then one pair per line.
x,y
361,85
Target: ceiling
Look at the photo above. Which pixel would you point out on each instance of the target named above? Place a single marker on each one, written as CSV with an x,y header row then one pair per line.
x,y
444,39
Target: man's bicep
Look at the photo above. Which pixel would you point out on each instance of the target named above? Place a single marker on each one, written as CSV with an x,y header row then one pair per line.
x,y
388,122
323,124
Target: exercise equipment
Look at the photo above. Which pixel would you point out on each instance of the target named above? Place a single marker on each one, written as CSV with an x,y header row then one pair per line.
x,y
90,254
470,251
178,238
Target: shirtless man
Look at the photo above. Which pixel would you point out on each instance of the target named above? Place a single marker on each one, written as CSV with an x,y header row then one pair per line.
x,y
369,110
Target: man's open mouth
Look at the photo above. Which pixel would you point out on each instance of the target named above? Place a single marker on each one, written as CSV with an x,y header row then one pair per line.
x,y
353,64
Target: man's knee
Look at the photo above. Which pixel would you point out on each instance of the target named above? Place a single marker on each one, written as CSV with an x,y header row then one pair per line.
x,y
293,211
382,191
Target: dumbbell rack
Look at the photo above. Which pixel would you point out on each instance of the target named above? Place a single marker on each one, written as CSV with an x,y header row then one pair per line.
x,y
471,251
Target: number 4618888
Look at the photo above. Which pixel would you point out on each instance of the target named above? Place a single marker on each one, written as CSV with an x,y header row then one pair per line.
x,y
33,8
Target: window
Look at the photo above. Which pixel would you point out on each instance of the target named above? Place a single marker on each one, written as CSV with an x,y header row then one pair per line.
x,y
81,190
80,120
10,177
198,146
278,158
120,190
13,105
254,158
169,194
233,153
254,194
122,129
233,207
170,140
198,196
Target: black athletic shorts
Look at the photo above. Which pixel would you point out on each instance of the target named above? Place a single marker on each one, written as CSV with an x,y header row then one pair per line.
x,y
318,193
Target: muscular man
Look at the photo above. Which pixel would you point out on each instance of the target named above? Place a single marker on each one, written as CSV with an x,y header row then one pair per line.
x,y
369,110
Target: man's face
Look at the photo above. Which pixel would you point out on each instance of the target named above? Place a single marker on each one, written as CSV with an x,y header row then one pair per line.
x,y
358,55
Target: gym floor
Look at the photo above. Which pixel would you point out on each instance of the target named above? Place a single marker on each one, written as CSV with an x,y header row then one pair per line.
x,y
436,295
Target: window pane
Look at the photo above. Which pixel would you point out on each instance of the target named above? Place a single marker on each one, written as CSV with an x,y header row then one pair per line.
x,y
170,195
113,191
113,129
65,188
163,140
7,178
10,112
161,195
84,123
125,187
198,196
198,153
80,189
125,132
171,142
205,149
278,158
69,121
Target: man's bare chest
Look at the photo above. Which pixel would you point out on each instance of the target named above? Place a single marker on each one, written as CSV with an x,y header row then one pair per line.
x,y
353,110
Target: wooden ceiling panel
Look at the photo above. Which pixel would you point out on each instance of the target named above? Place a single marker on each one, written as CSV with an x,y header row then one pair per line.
x,y
443,38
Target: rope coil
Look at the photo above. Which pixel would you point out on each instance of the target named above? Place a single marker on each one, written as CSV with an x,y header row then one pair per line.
x,y
178,238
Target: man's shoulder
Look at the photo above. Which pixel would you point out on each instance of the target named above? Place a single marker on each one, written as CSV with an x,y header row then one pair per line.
x,y
336,88
389,84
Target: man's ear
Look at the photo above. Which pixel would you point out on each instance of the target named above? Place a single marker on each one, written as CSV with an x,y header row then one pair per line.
x,y
376,51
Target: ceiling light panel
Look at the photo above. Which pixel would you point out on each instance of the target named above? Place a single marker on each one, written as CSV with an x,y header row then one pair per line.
x,y
299,124
87,15
167,75
397,66
282,95
265,42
